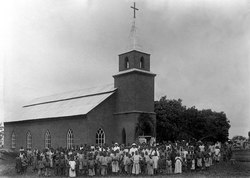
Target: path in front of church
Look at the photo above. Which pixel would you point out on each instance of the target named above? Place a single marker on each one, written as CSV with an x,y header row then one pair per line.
x,y
222,169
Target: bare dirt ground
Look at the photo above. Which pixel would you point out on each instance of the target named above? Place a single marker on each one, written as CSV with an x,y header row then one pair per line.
x,y
223,169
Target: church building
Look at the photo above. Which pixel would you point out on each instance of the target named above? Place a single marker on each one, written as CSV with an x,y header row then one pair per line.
x,y
91,116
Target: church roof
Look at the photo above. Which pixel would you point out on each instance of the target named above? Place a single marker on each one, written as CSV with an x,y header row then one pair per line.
x,y
67,104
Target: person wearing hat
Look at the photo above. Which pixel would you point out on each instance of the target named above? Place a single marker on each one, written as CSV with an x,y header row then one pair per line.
x,y
133,149
81,147
116,147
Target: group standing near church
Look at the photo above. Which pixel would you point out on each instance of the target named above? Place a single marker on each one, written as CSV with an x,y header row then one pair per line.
x,y
136,159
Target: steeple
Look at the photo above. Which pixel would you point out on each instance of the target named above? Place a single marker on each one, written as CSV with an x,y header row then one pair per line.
x,y
134,58
133,43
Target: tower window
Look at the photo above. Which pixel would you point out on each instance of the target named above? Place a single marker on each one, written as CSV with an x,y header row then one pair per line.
x,y
47,139
142,62
126,63
100,137
28,140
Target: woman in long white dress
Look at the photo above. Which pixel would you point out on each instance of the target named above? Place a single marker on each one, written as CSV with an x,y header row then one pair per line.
x,y
178,164
72,166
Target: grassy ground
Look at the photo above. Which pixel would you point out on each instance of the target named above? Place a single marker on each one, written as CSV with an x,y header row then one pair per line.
x,y
223,169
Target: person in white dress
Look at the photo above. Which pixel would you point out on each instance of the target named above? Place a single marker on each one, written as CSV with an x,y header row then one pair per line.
x,y
178,164
136,166
72,166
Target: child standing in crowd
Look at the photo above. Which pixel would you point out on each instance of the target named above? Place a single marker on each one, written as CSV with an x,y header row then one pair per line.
x,y
193,161
199,160
80,160
155,159
189,161
40,166
217,153
91,165
47,165
127,163
56,165
136,165
72,166
143,163
115,165
150,166
169,166
62,164
206,160
85,164
104,164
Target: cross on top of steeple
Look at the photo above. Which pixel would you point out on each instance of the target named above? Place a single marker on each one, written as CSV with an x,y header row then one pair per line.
x,y
133,7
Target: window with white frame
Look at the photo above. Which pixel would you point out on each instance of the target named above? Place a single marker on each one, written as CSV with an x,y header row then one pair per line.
x,y
70,139
100,137
29,140
13,140
47,139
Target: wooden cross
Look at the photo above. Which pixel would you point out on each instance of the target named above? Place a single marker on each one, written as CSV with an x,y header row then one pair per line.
x,y
133,7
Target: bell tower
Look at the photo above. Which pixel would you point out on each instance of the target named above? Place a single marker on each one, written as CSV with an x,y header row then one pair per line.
x,y
134,83
134,59
135,93
135,89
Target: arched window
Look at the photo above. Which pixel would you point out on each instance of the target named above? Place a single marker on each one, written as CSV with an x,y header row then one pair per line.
x,y
13,140
142,63
70,139
126,63
47,140
28,140
100,137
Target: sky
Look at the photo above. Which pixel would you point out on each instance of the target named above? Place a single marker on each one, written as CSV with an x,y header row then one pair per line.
x,y
199,50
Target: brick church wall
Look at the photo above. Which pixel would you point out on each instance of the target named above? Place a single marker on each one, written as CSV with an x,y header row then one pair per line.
x,y
135,92
84,128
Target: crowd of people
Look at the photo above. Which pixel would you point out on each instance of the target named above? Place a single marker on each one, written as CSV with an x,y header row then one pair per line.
x,y
143,159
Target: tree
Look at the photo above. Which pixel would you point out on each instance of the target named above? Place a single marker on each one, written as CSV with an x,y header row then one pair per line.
x,y
177,122
238,137
168,119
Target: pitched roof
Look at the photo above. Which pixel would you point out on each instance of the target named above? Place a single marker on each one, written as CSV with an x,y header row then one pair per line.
x,y
67,104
